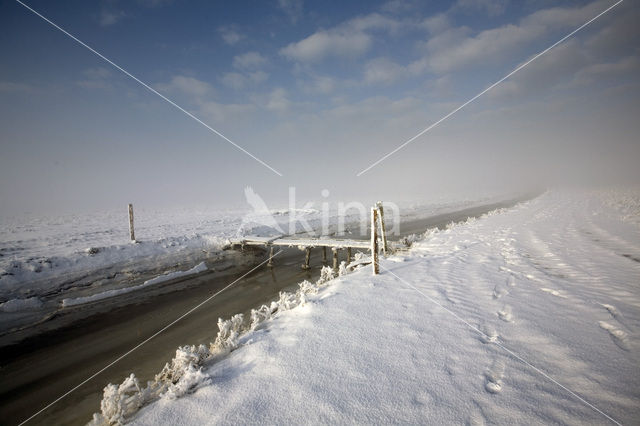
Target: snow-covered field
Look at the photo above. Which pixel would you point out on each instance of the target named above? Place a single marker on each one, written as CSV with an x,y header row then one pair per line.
x,y
529,315
39,255
41,258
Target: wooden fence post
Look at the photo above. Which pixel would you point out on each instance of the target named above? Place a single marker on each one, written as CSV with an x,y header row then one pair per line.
x,y
383,230
307,258
270,264
335,258
131,232
374,241
324,254
348,255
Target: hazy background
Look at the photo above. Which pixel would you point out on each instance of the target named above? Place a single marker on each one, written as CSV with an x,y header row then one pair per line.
x,y
318,90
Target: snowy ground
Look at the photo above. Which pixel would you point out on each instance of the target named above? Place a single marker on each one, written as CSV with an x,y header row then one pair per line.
x,y
41,258
526,316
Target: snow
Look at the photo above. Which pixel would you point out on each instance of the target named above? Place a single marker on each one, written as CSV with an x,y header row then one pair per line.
x,y
200,267
39,255
17,305
525,316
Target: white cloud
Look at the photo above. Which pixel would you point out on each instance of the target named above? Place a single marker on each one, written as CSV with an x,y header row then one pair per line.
x,y
199,93
292,8
373,21
237,80
382,71
374,109
230,34
628,66
249,60
398,6
96,78
97,73
454,49
437,23
220,113
547,74
349,39
318,84
108,17
490,7
258,76
10,86
278,100
187,85
234,80
323,44
437,47
441,87
621,36
484,47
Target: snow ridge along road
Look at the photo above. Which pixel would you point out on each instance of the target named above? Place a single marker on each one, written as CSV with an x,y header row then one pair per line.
x,y
554,279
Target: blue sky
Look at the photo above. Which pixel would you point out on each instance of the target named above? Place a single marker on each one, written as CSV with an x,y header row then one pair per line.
x,y
319,91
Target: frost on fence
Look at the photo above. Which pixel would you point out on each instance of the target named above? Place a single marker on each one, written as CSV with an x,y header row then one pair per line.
x,y
184,373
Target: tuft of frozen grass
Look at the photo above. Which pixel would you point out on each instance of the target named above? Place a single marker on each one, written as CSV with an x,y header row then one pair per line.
x,y
326,274
192,378
262,314
118,401
228,334
342,269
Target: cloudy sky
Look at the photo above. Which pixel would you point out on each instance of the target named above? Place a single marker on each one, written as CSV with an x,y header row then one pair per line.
x,y
316,90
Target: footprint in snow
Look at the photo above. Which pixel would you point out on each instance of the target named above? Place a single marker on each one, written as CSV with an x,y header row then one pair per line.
x,y
489,334
553,292
499,290
612,310
494,375
618,336
476,419
505,314
615,314
446,295
511,281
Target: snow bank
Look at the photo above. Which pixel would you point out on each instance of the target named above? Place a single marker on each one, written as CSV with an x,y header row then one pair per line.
x,y
16,305
424,341
201,267
184,374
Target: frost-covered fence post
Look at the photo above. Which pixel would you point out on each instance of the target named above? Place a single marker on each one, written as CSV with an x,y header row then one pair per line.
x,y
131,232
307,258
335,258
348,255
374,241
383,230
